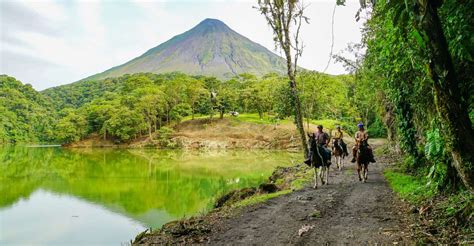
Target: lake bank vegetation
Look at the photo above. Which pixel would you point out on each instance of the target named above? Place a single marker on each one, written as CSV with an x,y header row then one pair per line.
x,y
149,106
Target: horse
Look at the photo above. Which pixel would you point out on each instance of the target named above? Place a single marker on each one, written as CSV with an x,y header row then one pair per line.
x,y
338,154
362,160
316,160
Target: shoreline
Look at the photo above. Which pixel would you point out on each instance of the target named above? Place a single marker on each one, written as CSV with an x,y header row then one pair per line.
x,y
283,180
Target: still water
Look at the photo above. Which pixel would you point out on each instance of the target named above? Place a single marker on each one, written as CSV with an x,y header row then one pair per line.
x,y
56,196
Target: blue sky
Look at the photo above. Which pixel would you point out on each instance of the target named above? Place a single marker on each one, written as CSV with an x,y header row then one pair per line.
x,y
48,43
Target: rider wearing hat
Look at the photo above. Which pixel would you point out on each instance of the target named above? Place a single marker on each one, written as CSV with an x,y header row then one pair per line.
x,y
338,137
323,140
361,135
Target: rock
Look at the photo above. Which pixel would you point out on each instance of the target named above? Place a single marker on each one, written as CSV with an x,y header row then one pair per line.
x,y
304,229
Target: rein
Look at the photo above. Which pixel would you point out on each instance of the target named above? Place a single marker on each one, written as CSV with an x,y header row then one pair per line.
x,y
319,154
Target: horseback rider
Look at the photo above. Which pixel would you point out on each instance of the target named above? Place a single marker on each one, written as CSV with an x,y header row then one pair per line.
x,y
362,135
323,140
338,140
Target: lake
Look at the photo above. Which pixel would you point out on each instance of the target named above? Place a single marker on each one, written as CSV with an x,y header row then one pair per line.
x,y
63,196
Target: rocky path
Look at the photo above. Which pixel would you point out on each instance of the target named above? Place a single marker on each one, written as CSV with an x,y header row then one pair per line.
x,y
344,212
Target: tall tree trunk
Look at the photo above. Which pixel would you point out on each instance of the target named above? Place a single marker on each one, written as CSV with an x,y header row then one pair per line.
x,y
448,96
389,120
296,101
298,115
149,130
295,95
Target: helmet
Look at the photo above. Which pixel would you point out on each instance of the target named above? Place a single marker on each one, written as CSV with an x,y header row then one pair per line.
x,y
338,127
360,125
320,126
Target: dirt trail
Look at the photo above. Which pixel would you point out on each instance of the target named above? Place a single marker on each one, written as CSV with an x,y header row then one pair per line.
x,y
344,212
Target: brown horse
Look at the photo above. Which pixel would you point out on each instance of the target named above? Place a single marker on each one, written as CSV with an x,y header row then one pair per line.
x,y
338,153
362,160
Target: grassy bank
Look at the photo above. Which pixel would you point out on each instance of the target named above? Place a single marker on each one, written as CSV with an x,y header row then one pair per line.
x,y
442,217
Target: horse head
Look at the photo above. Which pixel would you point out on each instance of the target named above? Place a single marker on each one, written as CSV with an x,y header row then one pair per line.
x,y
363,147
337,145
363,144
311,140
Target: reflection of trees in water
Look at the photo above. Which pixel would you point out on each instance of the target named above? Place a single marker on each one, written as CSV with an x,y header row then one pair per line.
x,y
133,181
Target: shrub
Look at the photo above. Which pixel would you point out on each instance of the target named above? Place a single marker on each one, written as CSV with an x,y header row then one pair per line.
x,y
377,129
164,137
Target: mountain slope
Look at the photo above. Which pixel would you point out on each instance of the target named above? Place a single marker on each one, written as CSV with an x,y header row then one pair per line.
x,y
25,114
210,48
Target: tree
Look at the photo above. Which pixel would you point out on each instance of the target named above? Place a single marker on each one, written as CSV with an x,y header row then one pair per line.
x,y
125,124
179,111
451,101
151,103
194,92
71,127
225,99
284,16
402,37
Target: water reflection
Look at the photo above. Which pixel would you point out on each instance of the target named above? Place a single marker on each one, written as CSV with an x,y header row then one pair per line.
x,y
146,187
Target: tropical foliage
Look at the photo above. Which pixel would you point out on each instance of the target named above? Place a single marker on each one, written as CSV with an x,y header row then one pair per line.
x,y
132,106
418,66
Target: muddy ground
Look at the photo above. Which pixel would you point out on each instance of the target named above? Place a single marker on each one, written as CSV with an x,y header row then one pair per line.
x,y
344,212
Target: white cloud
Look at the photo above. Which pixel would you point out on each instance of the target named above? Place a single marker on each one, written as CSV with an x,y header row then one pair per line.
x,y
48,9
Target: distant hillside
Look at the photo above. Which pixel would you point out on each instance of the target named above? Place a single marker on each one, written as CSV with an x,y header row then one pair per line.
x,y
25,114
210,48
79,93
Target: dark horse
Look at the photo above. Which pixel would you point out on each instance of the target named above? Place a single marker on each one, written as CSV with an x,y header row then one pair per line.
x,y
363,159
339,153
317,161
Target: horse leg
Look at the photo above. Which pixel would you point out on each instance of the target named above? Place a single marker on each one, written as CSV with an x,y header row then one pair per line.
x,y
366,171
342,162
327,175
358,171
321,174
315,186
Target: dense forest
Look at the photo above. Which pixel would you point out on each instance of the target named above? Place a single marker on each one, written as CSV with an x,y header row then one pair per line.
x,y
131,106
418,66
26,115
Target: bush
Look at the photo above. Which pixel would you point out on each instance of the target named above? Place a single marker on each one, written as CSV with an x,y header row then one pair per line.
x,y
179,111
164,137
435,152
377,129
